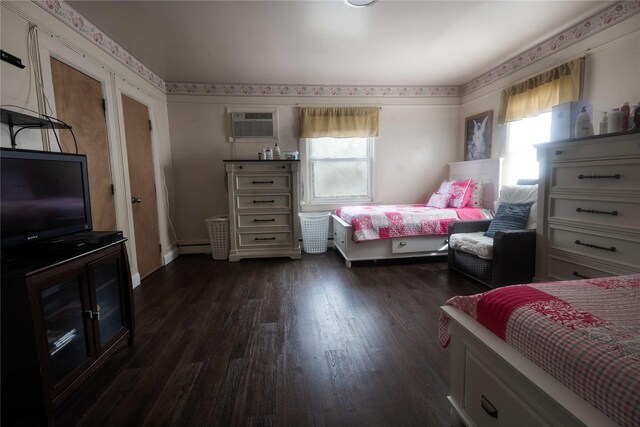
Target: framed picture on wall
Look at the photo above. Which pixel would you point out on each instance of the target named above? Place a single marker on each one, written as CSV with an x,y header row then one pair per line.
x,y
477,136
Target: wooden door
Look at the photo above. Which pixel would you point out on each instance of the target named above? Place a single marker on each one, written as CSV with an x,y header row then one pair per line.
x,y
79,103
137,128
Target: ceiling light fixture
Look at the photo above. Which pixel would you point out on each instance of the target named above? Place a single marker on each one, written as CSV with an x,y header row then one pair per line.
x,y
359,3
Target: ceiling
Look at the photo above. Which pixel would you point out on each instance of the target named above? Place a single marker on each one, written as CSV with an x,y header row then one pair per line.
x,y
399,43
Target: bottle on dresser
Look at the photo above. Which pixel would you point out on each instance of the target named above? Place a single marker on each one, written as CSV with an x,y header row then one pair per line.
x,y
625,110
604,124
615,121
276,152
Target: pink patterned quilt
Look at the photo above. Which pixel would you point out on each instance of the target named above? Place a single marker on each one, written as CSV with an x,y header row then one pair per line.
x,y
387,221
586,333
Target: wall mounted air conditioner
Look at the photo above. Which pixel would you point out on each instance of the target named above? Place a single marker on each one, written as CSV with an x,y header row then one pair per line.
x,y
255,125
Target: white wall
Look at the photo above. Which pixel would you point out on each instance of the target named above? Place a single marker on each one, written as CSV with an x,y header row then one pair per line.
x,y
612,70
416,142
18,88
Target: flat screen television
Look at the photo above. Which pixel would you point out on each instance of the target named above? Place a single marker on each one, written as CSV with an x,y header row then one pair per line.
x,y
42,195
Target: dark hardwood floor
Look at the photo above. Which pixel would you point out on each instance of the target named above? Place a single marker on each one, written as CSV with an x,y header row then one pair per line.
x,y
279,342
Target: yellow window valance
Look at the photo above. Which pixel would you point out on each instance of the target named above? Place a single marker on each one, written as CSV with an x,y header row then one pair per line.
x,y
538,94
339,122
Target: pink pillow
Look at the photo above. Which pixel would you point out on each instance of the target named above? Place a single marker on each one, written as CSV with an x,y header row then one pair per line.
x,y
460,192
439,200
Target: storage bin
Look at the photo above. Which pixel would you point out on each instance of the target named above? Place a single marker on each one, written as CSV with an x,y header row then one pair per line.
x,y
218,228
315,231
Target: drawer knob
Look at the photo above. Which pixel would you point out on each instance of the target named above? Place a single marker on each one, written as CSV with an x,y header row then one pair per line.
x,y
262,182
488,407
616,176
403,243
264,238
283,167
591,211
576,274
264,201
589,245
558,152
264,220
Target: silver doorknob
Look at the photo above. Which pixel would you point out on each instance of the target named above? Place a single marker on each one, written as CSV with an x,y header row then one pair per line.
x,y
135,200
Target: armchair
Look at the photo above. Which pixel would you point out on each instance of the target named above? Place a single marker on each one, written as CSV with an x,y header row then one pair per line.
x,y
514,254
507,259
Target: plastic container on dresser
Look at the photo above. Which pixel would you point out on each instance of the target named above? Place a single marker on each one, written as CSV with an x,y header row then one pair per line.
x,y
589,207
263,208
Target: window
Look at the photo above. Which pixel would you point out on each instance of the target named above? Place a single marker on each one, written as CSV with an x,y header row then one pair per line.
x,y
521,156
339,169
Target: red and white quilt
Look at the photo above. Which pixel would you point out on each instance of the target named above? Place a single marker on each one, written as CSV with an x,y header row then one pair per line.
x,y
387,221
586,333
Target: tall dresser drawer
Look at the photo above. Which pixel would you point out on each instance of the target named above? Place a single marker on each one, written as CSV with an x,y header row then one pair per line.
x,y
277,238
264,220
559,269
267,201
597,212
263,182
616,175
624,146
607,248
259,166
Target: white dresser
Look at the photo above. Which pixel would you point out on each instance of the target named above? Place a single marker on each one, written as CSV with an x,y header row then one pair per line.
x,y
263,208
589,208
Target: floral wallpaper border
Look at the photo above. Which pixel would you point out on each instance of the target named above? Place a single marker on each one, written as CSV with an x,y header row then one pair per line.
x,y
175,88
68,15
602,20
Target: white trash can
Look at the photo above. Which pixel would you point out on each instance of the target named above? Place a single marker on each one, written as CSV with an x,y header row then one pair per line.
x,y
315,231
218,228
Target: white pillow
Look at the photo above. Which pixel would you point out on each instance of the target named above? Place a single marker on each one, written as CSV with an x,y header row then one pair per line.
x,y
521,194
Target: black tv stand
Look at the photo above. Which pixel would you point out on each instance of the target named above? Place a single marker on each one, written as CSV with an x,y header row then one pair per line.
x,y
57,249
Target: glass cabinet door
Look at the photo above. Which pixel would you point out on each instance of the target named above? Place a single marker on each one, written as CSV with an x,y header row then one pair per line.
x,y
105,275
67,347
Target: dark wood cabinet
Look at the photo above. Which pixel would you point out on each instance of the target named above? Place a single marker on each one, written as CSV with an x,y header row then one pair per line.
x,y
61,319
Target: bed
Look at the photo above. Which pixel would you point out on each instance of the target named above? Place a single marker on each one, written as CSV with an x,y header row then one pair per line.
x,y
554,353
346,241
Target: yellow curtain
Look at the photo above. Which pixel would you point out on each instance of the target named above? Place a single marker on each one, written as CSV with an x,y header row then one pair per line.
x,y
338,122
538,94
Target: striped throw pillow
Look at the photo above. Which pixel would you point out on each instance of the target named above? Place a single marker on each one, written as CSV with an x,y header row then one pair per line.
x,y
509,217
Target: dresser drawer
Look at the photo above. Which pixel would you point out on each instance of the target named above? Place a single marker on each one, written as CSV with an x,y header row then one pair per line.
x,y
263,166
264,220
425,244
559,269
596,212
267,201
606,248
489,402
616,175
277,238
257,183
624,146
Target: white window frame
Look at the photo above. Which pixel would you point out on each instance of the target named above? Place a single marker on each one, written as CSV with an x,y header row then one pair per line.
x,y
310,198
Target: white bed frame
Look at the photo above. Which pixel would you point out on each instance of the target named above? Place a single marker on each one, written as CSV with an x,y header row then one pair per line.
x,y
484,369
488,171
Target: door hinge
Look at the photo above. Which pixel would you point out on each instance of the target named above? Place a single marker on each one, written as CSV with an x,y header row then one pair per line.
x,y
113,189
149,125
104,106
160,247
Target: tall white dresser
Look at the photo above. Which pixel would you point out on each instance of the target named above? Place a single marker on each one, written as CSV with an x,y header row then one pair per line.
x,y
589,207
263,208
